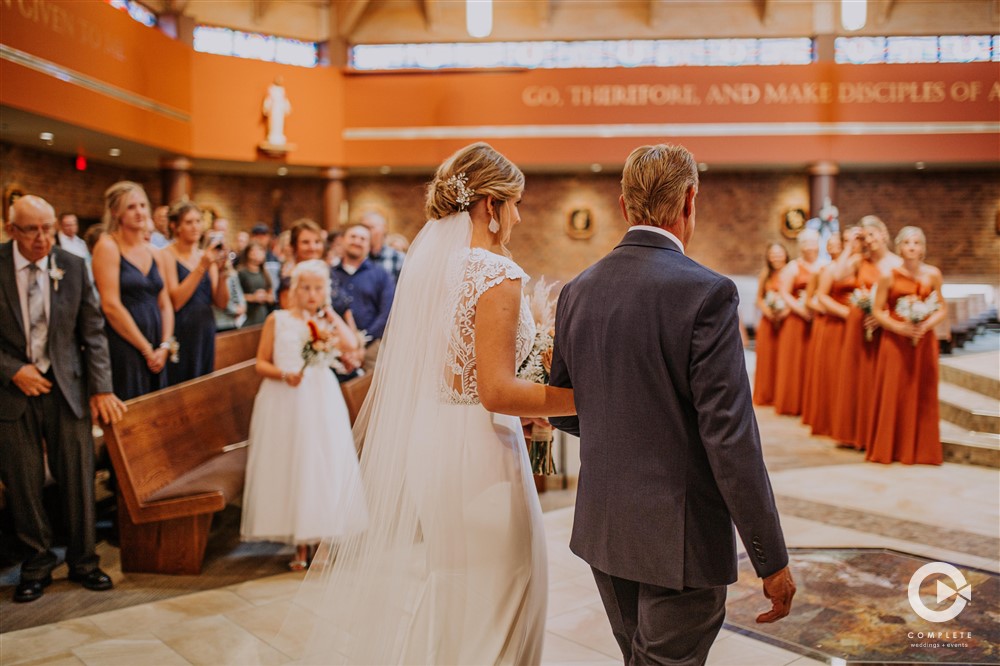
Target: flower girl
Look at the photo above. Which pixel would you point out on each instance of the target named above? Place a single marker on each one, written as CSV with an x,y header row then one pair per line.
x,y
302,470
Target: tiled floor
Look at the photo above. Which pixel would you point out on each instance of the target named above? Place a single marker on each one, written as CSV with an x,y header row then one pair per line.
x,y
828,498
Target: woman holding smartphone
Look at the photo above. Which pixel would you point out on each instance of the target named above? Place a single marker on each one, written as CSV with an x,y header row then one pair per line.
x,y
194,285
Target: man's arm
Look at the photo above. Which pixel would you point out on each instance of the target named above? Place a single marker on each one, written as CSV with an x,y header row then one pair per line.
x,y
728,429
559,373
90,329
386,292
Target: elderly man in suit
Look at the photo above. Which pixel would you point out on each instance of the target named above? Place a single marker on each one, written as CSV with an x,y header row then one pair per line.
x,y
649,340
55,376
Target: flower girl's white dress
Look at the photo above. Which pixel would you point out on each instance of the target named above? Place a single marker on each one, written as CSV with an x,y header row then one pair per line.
x,y
302,481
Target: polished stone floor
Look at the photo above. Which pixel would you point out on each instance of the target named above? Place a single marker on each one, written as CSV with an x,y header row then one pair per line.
x,y
829,498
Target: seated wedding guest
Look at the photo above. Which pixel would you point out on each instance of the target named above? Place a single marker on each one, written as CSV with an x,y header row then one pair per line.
x,y
821,345
69,239
908,305
302,470
364,288
398,242
834,295
305,243
793,339
256,284
128,274
160,234
55,379
194,285
774,311
390,259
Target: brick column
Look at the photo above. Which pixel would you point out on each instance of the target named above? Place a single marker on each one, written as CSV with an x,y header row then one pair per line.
x,y
334,196
175,173
822,184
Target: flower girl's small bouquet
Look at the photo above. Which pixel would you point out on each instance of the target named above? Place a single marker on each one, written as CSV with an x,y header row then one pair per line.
x,y
320,348
775,302
914,310
536,368
862,299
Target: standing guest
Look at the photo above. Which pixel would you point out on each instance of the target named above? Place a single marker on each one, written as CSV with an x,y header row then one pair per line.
x,y
334,248
822,345
159,237
793,340
242,241
92,235
664,406
398,242
905,423
834,294
364,288
774,312
234,313
256,284
69,238
390,259
194,285
305,243
303,483
134,298
55,378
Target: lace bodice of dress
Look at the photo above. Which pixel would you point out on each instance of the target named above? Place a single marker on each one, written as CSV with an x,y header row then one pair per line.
x,y
482,271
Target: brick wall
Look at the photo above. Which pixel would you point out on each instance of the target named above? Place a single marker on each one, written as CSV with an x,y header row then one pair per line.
x,y
738,213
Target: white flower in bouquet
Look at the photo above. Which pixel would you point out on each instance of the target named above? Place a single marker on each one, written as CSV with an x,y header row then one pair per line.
x,y
320,348
914,310
863,300
774,301
536,367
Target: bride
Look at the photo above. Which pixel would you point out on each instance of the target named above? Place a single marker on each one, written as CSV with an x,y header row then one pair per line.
x,y
452,569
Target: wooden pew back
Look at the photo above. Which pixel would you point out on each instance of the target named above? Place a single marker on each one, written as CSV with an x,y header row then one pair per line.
x,y
236,346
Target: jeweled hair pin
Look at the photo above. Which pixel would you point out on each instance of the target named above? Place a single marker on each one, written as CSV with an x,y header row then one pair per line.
x,y
459,184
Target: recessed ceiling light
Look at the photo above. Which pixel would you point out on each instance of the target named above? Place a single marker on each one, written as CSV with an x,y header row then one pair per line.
x,y
920,166
702,166
115,152
282,171
596,168
384,170
47,137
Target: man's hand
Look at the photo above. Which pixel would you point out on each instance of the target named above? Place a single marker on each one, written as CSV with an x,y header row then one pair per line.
x,y
107,408
30,381
779,588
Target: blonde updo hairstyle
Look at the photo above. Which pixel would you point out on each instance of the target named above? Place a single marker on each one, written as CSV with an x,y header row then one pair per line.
x,y
114,202
908,232
487,173
873,222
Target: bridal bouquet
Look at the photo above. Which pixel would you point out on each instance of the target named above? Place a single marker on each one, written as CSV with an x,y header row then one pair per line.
x,y
538,364
862,300
320,348
775,302
914,310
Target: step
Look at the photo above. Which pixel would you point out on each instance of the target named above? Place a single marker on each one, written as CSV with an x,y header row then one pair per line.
x,y
969,409
976,372
969,447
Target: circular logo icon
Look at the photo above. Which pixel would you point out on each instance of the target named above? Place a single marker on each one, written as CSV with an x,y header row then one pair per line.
x,y
962,592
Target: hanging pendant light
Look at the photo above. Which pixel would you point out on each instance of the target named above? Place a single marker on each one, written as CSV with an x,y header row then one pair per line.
x,y
479,18
853,14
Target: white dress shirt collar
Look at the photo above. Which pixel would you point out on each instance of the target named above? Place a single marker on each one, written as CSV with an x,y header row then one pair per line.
x,y
661,231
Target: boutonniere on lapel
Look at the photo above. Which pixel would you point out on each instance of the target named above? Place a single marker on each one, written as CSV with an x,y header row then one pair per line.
x,y
55,273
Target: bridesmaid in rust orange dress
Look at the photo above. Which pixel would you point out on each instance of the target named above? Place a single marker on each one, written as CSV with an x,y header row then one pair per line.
x,y
904,425
793,339
823,345
766,339
853,399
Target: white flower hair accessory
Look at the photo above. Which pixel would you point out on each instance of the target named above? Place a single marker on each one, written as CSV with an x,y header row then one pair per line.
x,y
459,185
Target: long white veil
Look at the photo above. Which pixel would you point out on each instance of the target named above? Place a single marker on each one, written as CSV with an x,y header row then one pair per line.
x,y
366,600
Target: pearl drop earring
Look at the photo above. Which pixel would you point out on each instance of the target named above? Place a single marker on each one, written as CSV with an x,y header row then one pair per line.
x,y
494,225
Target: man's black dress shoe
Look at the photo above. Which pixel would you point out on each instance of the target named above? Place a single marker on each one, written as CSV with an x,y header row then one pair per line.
x,y
93,580
29,590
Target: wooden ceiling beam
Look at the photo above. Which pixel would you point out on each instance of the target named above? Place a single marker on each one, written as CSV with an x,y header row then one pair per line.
x,y
349,14
658,13
883,11
764,10
432,13
544,11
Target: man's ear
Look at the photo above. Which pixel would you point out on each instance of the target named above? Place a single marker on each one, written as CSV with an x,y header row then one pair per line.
x,y
621,204
689,201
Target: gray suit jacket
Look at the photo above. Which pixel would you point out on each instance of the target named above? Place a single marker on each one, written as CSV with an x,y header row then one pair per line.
x,y
77,345
649,340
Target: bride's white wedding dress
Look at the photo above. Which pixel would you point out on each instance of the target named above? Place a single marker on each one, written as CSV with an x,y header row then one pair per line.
x,y
452,569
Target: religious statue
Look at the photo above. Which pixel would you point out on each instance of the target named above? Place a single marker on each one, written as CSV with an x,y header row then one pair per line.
x,y
276,107
827,224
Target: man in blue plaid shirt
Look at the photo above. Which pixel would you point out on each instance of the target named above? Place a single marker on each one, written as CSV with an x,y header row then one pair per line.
x,y
388,258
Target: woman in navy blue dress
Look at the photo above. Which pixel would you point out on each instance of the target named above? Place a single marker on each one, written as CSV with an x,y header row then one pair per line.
x,y
128,274
192,277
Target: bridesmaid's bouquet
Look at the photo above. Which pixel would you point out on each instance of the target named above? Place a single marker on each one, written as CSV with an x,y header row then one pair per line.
x,y
862,300
914,310
775,302
537,366
320,348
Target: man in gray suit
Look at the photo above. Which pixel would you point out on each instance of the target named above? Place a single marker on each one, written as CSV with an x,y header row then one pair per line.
x,y
671,459
55,376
